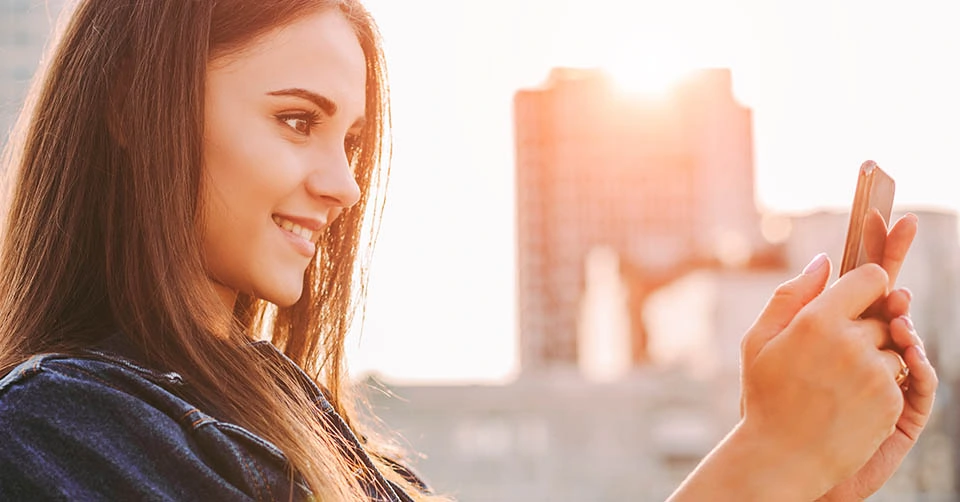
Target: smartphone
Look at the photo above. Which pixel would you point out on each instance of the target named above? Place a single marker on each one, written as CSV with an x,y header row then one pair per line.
x,y
869,218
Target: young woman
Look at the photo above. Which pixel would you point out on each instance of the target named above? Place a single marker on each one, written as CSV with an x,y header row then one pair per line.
x,y
191,185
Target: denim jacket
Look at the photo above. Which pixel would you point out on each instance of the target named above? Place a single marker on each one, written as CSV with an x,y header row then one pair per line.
x,y
98,426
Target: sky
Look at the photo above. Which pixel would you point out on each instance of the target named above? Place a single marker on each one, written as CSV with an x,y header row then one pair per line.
x,y
830,83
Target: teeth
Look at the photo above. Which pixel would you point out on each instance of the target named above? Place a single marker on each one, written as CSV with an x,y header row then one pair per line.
x,y
292,227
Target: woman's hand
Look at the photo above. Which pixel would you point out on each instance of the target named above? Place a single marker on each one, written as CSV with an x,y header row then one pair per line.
x,y
921,385
819,393
822,409
817,382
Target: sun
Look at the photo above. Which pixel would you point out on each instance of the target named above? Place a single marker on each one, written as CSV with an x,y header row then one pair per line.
x,y
649,59
653,78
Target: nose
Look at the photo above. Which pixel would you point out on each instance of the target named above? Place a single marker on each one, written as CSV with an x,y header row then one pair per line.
x,y
334,182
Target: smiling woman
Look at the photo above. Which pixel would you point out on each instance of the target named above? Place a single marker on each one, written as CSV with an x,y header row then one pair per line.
x,y
278,158
208,166
178,265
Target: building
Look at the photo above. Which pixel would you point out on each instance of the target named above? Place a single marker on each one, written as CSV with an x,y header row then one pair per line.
x,y
666,183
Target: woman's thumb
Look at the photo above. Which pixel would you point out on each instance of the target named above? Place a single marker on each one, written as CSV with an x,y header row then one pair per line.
x,y
784,305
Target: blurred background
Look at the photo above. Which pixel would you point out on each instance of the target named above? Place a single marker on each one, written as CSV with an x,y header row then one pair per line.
x,y
590,202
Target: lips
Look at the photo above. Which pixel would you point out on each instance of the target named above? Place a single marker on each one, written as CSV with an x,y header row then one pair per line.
x,y
302,233
295,228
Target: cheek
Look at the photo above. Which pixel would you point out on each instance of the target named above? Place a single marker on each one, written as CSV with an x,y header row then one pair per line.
x,y
243,152
234,196
245,182
226,225
248,166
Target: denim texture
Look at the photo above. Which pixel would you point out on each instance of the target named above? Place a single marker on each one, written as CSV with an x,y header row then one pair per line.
x,y
100,427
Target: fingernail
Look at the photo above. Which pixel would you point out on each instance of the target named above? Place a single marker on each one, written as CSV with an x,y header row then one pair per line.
x,y
914,337
923,353
818,261
908,293
909,323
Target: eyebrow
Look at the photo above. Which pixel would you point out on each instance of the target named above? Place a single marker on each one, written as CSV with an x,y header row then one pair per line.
x,y
324,103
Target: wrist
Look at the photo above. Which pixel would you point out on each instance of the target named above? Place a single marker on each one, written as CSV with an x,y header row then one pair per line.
x,y
794,473
751,465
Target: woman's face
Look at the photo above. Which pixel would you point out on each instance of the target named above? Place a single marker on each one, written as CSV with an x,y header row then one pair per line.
x,y
280,116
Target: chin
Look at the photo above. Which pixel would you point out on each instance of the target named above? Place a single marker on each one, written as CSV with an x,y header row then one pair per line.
x,y
281,297
286,300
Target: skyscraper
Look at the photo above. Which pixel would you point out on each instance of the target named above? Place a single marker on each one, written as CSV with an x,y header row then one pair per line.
x,y
666,182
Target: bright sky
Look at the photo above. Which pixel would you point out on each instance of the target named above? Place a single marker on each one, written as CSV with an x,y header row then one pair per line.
x,y
831,83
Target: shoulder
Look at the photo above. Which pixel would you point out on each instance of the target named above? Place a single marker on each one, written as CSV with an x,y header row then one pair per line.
x,y
94,428
54,386
75,391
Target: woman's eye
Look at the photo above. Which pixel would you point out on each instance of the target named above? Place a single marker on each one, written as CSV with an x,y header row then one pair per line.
x,y
301,123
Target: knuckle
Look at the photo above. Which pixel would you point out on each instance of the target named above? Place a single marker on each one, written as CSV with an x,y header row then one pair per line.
x,y
812,323
786,291
871,329
894,406
850,344
875,273
806,318
878,376
890,405
881,383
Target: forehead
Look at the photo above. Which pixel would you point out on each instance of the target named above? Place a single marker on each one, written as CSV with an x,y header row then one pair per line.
x,y
318,52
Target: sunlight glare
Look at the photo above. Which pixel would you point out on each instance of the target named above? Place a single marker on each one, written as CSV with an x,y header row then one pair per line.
x,y
648,80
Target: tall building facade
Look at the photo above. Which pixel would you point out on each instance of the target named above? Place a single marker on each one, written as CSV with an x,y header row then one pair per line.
x,y
667,183
25,29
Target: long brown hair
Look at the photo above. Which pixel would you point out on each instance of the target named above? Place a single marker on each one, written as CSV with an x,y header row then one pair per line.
x,y
101,234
